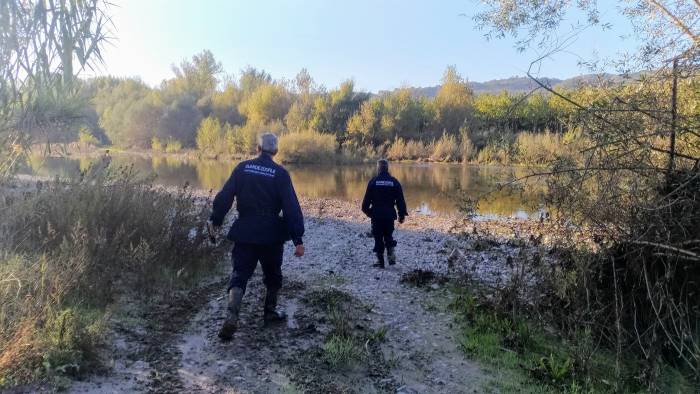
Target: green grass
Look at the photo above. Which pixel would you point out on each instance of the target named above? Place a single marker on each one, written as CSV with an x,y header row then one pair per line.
x,y
72,249
523,357
378,335
330,280
342,351
345,345
327,298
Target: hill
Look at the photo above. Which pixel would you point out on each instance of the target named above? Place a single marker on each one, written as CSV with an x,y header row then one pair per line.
x,y
516,84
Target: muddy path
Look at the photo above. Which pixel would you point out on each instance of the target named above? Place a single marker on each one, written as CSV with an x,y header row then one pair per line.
x,y
400,337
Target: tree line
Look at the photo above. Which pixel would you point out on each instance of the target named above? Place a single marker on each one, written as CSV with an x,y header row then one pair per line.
x,y
202,107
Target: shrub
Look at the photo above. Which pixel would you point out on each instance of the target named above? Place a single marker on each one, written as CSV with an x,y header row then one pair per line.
x,y
445,149
397,150
86,139
71,247
210,136
307,147
416,150
467,149
493,154
407,150
157,145
538,148
499,150
354,153
173,146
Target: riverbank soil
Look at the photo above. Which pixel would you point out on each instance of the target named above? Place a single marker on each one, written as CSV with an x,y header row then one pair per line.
x,y
351,329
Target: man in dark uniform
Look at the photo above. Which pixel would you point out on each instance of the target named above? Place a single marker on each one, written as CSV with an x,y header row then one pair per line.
x,y
384,195
268,215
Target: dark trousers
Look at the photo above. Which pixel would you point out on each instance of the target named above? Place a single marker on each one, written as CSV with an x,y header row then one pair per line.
x,y
383,231
245,258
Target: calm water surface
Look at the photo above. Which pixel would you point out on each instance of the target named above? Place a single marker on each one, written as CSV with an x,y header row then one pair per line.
x,y
429,188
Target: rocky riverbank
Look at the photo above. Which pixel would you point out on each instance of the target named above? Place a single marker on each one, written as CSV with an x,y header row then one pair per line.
x,y
352,328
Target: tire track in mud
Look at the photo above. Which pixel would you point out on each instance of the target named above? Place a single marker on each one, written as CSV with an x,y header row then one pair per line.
x,y
165,324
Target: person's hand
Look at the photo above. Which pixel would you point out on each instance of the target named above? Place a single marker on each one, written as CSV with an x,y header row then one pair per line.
x,y
299,250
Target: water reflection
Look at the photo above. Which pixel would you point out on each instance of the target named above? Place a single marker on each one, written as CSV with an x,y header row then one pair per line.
x,y
428,187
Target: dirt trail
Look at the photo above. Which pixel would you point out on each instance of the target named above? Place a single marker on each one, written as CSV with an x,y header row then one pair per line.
x,y
418,351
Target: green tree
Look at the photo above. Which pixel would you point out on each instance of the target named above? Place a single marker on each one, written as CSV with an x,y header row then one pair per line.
x,y
633,185
497,111
197,77
305,85
251,79
404,115
302,110
86,139
453,102
211,136
129,111
224,105
141,122
333,111
266,103
180,121
365,126
537,114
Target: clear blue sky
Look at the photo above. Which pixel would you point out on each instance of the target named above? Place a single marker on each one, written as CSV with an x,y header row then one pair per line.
x,y
381,44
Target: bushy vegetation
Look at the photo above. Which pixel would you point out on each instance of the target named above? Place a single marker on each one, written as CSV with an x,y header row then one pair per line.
x,y
307,147
345,346
86,139
631,189
504,128
70,248
525,148
173,146
527,357
401,149
445,149
194,110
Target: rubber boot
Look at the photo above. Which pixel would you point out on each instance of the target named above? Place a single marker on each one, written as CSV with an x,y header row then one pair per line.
x,y
392,256
235,298
272,313
380,261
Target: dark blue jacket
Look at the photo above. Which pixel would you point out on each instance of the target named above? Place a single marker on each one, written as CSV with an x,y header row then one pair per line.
x,y
268,209
383,194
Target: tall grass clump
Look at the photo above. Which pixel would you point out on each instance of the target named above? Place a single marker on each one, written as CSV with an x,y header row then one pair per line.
x,y
538,148
500,150
307,147
70,248
401,149
173,146
397,150
215,138
445,149
157,145
467,149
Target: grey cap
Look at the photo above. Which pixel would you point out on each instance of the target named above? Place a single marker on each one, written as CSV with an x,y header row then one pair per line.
x,y
268,143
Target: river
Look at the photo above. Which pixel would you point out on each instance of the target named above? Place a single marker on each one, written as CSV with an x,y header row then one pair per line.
x,y
429,187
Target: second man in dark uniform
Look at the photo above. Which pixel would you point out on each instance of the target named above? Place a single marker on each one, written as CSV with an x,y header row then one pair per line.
x,y
382,199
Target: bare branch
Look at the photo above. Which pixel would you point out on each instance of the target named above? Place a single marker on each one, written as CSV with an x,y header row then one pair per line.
x,y
676,21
